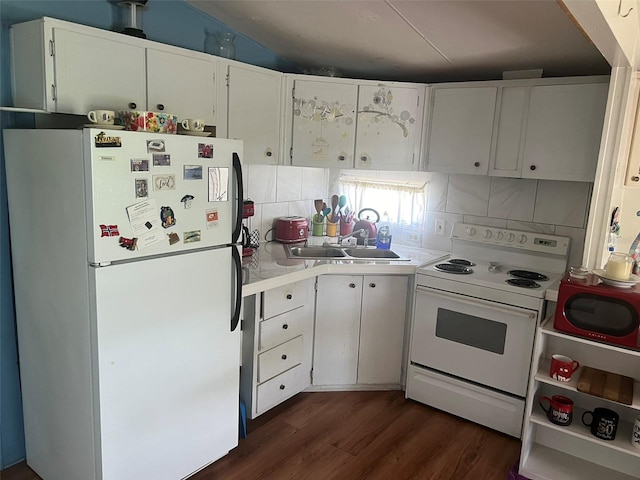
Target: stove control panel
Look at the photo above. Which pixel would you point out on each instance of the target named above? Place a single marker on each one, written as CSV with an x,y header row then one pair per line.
x,y
534,241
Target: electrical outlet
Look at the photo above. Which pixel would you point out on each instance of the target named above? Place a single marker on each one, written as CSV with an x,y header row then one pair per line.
x,y
439,230
414,238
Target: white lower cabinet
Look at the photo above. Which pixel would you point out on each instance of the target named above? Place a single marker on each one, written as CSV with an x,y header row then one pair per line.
x,y
277,345
359,330
552,452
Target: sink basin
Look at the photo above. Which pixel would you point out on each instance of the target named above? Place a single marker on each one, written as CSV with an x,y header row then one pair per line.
x,y
315,252
370,253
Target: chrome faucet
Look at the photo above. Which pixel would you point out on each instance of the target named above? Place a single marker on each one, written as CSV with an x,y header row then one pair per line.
x,y
364,233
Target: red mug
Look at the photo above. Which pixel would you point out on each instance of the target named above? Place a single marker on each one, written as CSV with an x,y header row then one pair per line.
x,y
560,409
562,368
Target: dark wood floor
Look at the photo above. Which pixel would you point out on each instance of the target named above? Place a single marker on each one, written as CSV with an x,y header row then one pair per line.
x,y
357,435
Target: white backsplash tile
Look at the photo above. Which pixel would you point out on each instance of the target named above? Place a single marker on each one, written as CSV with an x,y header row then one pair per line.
x,y
530,227
261,185
512,198
562,203
302,208
437,192
468,194
289,184
488,221
313,183
577,243
439,242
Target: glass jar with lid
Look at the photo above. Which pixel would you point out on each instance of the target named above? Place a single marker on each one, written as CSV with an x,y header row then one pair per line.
x,y
619,266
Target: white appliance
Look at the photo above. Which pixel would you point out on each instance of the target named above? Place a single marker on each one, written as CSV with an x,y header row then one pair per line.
x,y
475,319
127,288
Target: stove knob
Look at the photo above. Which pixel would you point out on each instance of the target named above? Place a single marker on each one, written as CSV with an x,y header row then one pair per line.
x,y
500,235
471,231
511,237
488,234
522,239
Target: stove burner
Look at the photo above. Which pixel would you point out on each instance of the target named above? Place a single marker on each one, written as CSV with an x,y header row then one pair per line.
x,y
521,282
460,261
453,268
528,275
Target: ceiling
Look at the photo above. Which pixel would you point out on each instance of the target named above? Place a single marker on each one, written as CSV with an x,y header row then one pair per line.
x,y
415,40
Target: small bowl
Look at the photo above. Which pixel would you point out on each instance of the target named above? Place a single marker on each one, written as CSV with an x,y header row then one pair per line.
x,y
578,272
154,122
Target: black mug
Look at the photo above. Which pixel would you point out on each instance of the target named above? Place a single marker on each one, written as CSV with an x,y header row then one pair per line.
x,y
604,423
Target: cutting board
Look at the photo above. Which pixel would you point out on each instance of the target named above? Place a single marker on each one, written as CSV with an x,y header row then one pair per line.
x,y
606,385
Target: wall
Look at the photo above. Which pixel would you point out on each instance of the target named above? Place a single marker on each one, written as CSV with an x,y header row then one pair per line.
x,y
172,22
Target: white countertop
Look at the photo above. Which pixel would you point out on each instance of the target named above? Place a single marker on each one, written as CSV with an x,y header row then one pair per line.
x,y
269,266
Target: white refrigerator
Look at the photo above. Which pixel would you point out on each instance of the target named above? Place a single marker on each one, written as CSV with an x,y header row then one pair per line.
x,y
127,283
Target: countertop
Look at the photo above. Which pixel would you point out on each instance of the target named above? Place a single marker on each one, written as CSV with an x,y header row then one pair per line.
x,y
269,266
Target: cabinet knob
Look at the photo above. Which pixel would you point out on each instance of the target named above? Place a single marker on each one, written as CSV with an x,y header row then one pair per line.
x,y
532,167
364,158
635,178
281,387
352,285
341,158
160,107
289,296
132,105
284,357
285,326
269,152
477,164
372,285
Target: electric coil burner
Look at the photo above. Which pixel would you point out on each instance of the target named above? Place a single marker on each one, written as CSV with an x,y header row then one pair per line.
x,y
472,334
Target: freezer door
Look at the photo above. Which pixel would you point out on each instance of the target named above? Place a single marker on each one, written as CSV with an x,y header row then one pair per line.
x,y
151,194
168,365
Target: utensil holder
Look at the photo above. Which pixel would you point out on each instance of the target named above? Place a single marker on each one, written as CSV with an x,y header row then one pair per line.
x,y
317,226
345,228
332,229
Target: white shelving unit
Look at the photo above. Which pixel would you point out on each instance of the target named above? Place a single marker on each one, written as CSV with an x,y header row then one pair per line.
x,y
552,452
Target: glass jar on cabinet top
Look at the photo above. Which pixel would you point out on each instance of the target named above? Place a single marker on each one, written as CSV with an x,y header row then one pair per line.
x,y
618,266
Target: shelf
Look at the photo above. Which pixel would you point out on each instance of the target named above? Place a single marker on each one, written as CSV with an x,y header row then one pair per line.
x,y
547,329
544,463
23,110
621,443
542,376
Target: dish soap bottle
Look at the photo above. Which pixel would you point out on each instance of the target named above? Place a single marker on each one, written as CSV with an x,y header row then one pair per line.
x,y
383,237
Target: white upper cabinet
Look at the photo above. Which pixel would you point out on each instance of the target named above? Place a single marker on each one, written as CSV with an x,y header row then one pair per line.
x,y
254,111
182,83
460,129
389,126
506,160
563,131
323,120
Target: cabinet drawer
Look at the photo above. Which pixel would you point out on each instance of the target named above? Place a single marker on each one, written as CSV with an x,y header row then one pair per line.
x,y
283,299
277,330
280,388
279,359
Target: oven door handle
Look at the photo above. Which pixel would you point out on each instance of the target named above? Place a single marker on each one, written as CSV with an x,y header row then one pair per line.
x,y
476,301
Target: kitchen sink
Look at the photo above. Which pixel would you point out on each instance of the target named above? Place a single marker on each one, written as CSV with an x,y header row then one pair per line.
x,y
339,253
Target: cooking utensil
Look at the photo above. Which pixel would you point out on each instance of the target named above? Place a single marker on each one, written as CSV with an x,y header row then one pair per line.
x,y
342,202
334,207
318,204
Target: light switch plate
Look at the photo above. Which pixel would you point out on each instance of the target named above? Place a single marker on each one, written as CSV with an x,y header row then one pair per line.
x,y
439,229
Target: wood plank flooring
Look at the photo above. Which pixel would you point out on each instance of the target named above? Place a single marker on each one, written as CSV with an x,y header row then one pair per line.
x,y
357,435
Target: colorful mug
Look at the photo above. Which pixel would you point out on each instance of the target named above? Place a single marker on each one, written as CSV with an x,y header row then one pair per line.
x,y
560,409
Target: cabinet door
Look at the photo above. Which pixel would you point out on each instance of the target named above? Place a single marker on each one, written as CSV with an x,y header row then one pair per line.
x,y
96,73
253,112
389,126
506,159
382,325
324,122
460,129
564,127
335,355
181,84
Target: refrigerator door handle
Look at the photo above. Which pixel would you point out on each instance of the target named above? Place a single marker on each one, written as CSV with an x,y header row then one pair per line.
x,y
237,168
237,261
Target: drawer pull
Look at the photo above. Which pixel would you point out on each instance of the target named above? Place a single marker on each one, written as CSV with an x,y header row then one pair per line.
x,y
372,285
289,296
281,387
352,285
284,357
285,326
532,167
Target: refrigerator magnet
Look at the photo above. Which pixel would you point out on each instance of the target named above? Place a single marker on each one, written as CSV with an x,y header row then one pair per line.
x,y
164,182
103,140
109,230
212,218
142,188
191,236
155,146
205,150
192,172
218,183
167,217
128,243
173,238
186,201
139,165
161,160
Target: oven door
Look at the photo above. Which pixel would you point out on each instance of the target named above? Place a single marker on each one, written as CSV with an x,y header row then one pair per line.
x,y
477,340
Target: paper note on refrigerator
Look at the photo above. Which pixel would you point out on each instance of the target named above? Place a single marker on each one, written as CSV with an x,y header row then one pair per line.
x,y
145,223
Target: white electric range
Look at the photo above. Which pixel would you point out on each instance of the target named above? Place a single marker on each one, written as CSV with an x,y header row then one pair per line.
x,y
474,322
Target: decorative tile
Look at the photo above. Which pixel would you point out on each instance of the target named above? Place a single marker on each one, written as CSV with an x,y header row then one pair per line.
x,y
261,185
577,243
512,198
531,227
562,203
313,183
468,194
439,242
289,184
437,192
488,221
